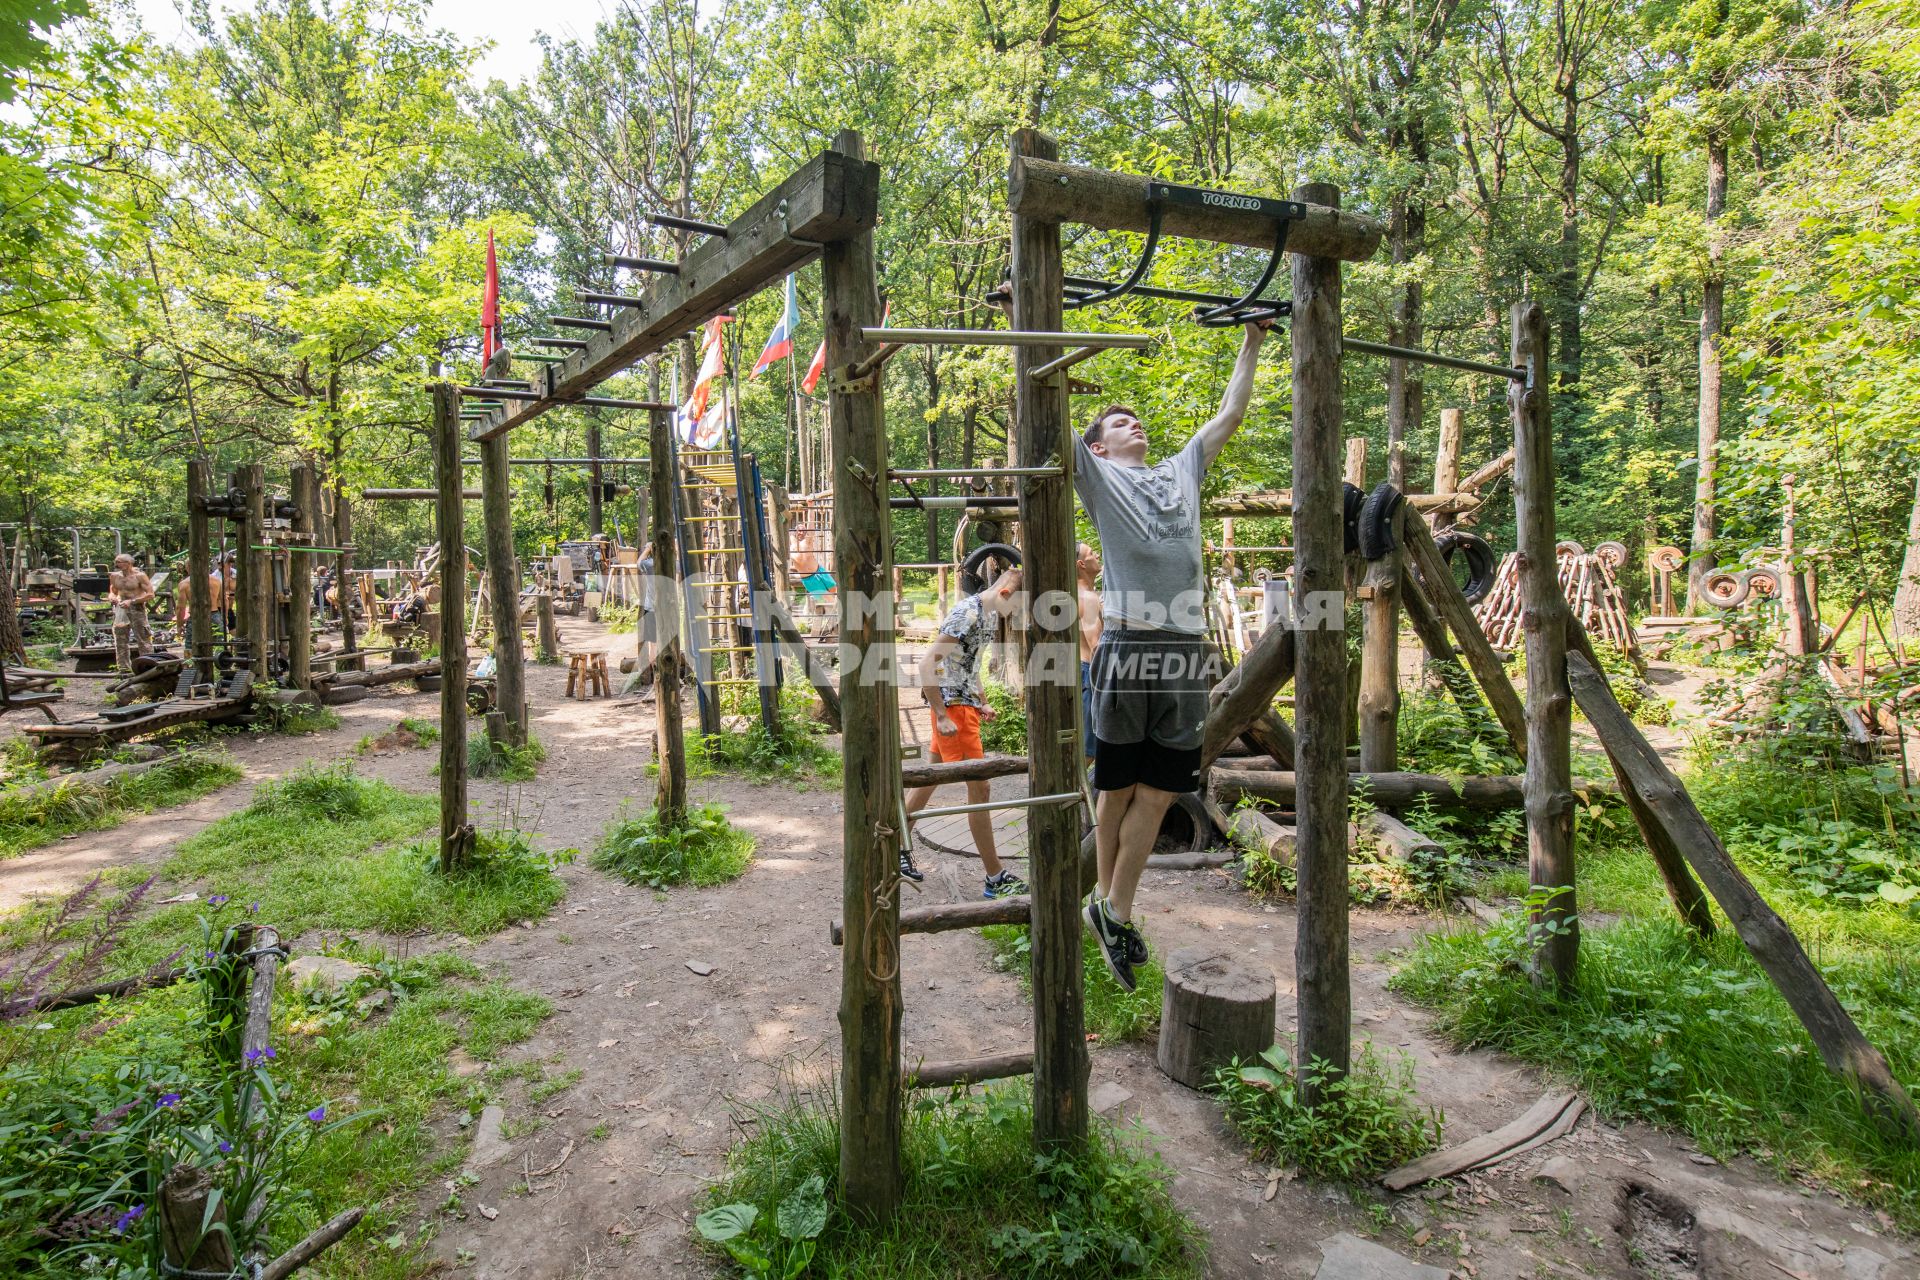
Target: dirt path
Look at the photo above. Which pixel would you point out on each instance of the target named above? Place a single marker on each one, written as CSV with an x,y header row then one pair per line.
x,y
600,1178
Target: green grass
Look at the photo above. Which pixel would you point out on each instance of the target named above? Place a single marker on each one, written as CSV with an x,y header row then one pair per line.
x,y
975,1199
407,732
1110,1013
501,761
1367,1122
30,821
324,849
705,850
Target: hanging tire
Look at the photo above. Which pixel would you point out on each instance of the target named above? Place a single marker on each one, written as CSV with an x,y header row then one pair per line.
x,y
1764,583
1612,554
973,578
1376,520
1724,590
1353,500
1482,564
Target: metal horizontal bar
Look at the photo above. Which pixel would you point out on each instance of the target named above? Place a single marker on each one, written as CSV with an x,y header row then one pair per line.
x,y
951,502
563,344
540,357
1087,284
411,495
1008,338
1019,802
1433,357
608,299
498,393
563,462
515,383
643,264
714,551
745,683
582,322
1066,361
687,224
972,473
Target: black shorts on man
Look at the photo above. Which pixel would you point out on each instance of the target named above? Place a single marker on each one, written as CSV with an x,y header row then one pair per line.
x,y
1150,708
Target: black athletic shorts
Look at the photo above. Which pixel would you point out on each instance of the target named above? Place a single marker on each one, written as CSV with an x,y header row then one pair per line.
x,y
1119,765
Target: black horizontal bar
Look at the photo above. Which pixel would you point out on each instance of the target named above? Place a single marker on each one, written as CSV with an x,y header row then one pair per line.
x,y
582,322
565,344
1089,285
687,224
608,299
643,264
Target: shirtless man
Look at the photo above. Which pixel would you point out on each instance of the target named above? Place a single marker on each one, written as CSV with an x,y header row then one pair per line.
x,y
128,591
1086,581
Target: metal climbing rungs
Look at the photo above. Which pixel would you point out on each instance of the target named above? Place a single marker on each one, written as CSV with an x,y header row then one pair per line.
x,y
1017,802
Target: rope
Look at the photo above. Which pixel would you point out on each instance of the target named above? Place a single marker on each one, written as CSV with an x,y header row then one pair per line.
x,y
881,954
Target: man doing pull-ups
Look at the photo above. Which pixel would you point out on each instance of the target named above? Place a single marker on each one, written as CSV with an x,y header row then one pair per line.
x,y
1150,672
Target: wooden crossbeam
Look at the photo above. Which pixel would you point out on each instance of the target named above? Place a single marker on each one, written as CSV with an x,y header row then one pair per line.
x,y
827,199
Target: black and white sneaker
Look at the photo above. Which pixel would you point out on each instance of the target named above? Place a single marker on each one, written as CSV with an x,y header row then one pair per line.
x,y
908,871
1112,937
1136,945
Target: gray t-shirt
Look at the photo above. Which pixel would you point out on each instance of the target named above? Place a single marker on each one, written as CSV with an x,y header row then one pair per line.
x,y
1149,523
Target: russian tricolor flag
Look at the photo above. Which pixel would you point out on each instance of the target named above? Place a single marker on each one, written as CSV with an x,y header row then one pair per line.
x,y
819,365
780,341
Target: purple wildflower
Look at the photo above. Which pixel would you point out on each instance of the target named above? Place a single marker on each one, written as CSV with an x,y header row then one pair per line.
x,y
168,1100
219,900
257,1056
226,1148
128,1218
318,1114
252,907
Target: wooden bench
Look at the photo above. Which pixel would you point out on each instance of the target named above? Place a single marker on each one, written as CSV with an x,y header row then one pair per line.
x,y
587,676
31,698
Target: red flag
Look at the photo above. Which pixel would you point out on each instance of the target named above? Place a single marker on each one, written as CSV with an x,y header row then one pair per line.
x,y
819,365
490,306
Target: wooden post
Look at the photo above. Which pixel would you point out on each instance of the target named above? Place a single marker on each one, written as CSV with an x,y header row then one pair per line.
x,y
456,833
670,801
870,1063
1052,667
257,572
1842,1047
1801,636
1380,657
547,637
199,570
1446,463
1444,657
1355,472
503,573
596,504
306,520
343,537
1554,922
1325,1009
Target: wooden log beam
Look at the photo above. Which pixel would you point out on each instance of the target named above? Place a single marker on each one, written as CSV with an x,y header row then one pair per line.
x,y
946,1075
832,198
816,673
199,571
299,611
929,773
1279,502
1488,473
456,831
1379,705
1052,667
871,1099
670,746
945,917
1444,658
1847,1052
323,1237
1395,838
1554,920
1396,790
1242,703
1432,577
1325,1000
256,573
1045,190
1255,832
416,495
394,673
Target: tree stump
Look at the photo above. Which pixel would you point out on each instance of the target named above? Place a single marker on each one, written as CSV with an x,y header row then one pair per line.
x,y
1214,1008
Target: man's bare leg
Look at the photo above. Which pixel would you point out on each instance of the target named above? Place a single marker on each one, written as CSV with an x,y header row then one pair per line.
x,y
1109,811
1139,827
979,791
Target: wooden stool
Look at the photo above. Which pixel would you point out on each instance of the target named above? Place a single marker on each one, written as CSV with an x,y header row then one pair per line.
x,y
587,676
1214,1008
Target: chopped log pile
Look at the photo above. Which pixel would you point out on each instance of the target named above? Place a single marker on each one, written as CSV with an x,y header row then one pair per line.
x,y
1587,579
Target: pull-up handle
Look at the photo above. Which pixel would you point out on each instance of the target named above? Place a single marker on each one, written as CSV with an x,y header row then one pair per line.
x,y
1139,268
1241,310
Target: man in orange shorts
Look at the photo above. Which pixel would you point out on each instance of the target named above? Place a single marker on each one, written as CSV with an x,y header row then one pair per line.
x,y
950,682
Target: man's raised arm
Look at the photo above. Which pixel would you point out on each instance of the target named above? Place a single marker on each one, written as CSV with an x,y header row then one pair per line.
x,y
1233,406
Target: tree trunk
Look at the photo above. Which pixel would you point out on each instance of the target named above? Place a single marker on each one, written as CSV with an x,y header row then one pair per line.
x,y
13,647
1713,301
1906,597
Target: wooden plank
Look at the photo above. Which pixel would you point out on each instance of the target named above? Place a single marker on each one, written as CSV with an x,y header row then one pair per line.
x,y
1554,921
1847,1052
1395,790
1052,670
871,1098
1045,190
1560,1128
1325,1001
1478,1151
456,832
832,198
